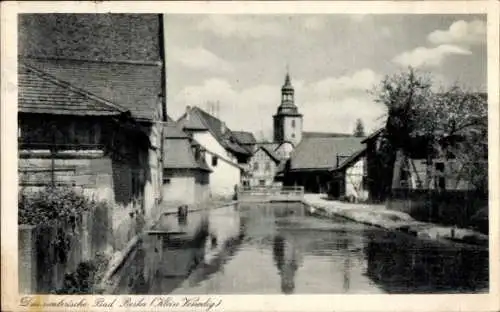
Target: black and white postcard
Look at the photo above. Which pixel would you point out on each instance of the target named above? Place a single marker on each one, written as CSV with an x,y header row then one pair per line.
x,y
250,156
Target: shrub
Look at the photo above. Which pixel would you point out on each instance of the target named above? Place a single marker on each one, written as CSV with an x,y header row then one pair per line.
x,y
53,204
86,278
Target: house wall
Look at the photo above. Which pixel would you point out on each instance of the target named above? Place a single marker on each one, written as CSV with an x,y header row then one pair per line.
x,y
354,186
225,175
154,179
187,186
179,186
109,168
202,186
413,174
284,151
209,142
317,181
456,204
263,168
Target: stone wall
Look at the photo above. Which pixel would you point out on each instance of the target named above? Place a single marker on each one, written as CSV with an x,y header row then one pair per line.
x,y
47,253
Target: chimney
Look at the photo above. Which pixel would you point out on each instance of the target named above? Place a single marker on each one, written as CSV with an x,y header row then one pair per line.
x,y
223,127
188,110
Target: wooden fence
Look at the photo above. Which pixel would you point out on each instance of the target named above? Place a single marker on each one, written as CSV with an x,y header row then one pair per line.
x,y
270,194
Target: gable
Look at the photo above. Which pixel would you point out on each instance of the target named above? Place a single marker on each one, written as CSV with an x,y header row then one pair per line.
x,y
263,153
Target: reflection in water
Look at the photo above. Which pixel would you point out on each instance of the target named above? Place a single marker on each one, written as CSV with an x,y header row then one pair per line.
x,y
420,267
286,261
253,249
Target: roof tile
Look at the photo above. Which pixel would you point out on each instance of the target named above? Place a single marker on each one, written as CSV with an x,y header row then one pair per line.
x,y
320,152
134,86
42,93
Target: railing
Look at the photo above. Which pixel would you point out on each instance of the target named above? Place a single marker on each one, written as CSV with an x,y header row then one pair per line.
x,y
271,193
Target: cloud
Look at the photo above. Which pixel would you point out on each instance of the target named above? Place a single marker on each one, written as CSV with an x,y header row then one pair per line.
x,y
331,104
240,26
429,57
361,80
198,58
460,32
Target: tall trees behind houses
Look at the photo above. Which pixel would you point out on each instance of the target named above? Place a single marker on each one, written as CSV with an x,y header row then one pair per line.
x,y
359,130
452,120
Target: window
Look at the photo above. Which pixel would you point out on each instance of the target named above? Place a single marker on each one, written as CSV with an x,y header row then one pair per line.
x,y
214,161
256,166
293,135
268,166
166,181
262,182
293,123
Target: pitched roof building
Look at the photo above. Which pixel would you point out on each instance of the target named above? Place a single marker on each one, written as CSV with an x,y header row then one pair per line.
x,y
196,119
42,93
323,152
118,58
181,152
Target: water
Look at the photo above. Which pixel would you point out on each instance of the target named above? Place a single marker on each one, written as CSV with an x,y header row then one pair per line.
x,y
277,248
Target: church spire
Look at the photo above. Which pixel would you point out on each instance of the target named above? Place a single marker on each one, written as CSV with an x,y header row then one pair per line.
x,y
288,83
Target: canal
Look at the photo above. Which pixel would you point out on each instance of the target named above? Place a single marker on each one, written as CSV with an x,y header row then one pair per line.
x,y
278,248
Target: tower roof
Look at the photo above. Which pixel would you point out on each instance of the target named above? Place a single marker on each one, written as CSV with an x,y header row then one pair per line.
x,y
288,84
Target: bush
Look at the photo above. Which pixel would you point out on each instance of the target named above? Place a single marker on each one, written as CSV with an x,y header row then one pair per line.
x,y
53,204
87,277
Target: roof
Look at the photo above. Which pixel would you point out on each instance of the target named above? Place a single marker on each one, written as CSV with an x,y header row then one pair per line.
x,y
42,93
270,153
199,119
320,152
347,161
135,86
91,36
272,146
325,134
244,137
192,122
173,131
288,83
179,155
373,135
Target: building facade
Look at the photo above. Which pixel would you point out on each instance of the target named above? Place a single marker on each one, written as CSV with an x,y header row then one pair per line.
x,y
186,177
225,157
262,167
315,158
118,58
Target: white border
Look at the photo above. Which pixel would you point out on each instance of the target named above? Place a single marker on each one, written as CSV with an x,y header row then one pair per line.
x,y
485,302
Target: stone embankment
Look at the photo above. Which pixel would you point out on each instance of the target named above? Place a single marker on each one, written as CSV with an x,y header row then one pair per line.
x,y
379,216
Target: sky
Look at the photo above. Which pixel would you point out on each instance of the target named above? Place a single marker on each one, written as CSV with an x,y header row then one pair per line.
x,y
334,61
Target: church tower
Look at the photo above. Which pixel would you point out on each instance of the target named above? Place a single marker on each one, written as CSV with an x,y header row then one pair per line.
x,y
288,120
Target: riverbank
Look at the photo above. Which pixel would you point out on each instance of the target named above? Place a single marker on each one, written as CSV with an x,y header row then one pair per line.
x,y
378,216
112,275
